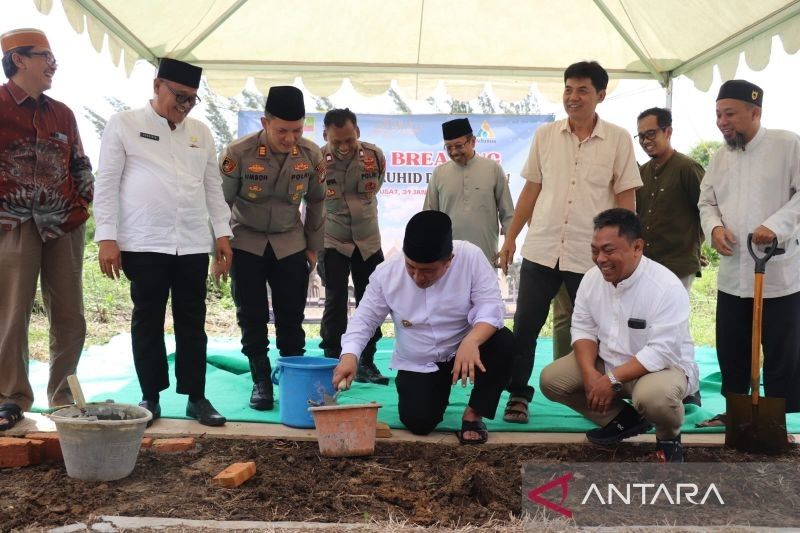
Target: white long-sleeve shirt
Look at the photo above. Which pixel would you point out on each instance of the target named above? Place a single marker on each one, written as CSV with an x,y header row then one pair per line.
x,y
653,294
746,189
430,323
156,188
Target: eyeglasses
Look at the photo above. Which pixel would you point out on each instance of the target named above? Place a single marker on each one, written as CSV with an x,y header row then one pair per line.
x,y
648,135
191,99
459,146
49,58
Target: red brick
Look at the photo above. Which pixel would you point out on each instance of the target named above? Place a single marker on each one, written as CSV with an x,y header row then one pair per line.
x,y
19,452
52,446
36,451
173,445
235,474
147,442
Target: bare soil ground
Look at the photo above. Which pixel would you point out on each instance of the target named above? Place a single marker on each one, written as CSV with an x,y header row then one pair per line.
x,y
416,483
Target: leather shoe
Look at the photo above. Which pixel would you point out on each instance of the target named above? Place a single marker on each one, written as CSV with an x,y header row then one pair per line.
x,y
261,399
627,423
154,408
204,412
369,373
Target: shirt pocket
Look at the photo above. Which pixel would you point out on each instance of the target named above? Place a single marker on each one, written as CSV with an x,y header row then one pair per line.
x,y
197,160
297,189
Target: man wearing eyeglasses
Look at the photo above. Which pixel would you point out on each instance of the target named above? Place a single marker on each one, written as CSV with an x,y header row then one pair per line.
x,y
576,168
159,212
667,202
46,186
472,190
267,177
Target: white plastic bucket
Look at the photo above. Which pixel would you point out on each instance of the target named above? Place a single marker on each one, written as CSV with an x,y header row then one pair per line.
x,y
102,442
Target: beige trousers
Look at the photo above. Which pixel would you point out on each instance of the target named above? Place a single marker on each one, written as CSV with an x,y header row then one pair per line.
x,y
657,396
23,258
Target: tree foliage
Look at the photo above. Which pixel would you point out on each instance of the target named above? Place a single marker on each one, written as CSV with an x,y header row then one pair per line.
x,y
703,150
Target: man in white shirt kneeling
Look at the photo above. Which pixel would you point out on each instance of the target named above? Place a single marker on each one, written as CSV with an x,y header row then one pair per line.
x,y
630,339
448,315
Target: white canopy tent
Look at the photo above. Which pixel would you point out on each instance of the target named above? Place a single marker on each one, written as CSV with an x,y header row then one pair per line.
x,y
419,43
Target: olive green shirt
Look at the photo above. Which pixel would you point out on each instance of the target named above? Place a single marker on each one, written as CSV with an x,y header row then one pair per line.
x,y
667,206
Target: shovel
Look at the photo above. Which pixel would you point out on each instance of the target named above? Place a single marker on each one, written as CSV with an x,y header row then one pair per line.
x,y
757,424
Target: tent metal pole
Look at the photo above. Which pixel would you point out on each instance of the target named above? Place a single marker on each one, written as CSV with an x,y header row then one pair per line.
x,y
668,93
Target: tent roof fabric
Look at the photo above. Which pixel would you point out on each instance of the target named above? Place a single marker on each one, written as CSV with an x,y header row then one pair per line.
x,y
420,43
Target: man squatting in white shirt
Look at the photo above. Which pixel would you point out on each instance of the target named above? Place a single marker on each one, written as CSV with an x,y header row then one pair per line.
x,y
630,338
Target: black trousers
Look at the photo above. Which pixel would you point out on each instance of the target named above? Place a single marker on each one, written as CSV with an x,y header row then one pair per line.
x,y
154,277
780,341
538,285
423,397
288,280
338,268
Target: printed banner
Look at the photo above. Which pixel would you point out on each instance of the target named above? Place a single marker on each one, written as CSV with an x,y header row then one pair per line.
x,y
413,147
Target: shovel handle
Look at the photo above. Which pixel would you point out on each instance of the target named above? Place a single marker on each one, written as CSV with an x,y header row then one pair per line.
x,y
769,251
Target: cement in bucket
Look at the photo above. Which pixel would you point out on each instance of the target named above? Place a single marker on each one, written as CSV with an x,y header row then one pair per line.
x,y
102,442
300,380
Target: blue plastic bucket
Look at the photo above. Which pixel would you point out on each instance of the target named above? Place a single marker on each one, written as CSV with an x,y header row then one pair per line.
x,y
299,380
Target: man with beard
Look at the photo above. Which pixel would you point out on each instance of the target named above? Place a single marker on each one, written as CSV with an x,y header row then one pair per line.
x,y
667,203
46,185
159,212
472,190
751,187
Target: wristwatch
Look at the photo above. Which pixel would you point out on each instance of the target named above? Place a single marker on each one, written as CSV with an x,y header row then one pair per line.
x,y
616,385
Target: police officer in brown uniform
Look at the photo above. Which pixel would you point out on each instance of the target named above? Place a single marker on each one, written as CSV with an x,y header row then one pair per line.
x,y
266,176
354,173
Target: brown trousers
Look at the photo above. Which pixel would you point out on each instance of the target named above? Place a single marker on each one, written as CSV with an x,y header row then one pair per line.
x,y
23,257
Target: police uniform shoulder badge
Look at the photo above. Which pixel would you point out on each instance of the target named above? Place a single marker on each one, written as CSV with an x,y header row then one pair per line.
x,y
320,170
228,165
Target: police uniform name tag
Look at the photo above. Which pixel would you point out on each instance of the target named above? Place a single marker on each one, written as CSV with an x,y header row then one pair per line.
x,y
149,136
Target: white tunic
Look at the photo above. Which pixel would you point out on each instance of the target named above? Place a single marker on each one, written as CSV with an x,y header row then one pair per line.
x,y
746,189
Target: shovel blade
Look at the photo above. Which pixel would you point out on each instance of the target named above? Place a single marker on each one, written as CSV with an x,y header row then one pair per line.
x,y
756,428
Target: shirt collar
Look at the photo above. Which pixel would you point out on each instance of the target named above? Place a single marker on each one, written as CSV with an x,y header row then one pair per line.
x,y
19,95
600,128
757,138
631,280
179,126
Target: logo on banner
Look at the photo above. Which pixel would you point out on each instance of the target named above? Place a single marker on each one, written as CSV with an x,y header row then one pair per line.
x,y
485,133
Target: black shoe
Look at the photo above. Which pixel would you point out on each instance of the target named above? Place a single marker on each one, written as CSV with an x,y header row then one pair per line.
x,y
693,399
369,373
261,399
204,412
670,451
154,408
628,423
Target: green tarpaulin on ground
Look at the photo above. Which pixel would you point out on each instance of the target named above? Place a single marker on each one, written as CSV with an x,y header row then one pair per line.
x,y
106,372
